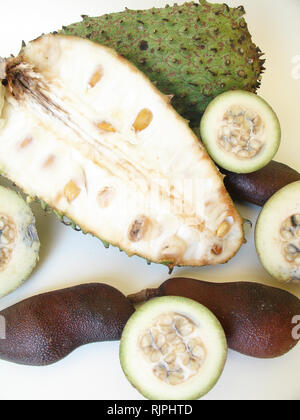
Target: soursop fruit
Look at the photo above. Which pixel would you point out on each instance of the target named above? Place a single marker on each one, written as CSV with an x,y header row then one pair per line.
x,y
193,51
90,136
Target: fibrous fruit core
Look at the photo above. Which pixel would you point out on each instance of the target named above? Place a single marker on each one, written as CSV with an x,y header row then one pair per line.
x,y
290,239
242,132
173,346
7,240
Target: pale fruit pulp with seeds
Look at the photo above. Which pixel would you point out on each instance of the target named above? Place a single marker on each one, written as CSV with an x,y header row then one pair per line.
x,y
89,135
173,348
240,131
277,234
19,243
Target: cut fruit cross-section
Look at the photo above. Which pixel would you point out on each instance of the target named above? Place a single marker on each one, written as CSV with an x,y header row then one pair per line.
x,y
89,135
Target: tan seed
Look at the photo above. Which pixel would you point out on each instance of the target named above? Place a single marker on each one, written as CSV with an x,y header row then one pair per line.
x,y
171,338
71,191
217,249
147,350
96,77
106,126
143,120
185,359
165,348
139,228
155,356
181,348
105,197
198,351
166,320
160,341
186,330
26,142
161,372
170,358
297,261
194,366
175,379
146,340
223,229
49,161
243,153
286,234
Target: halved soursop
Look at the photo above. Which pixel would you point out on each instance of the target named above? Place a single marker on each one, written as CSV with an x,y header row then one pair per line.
x,y
89,135
19,243
193,51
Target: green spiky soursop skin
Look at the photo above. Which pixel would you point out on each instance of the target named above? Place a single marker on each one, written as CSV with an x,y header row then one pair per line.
x,y
194,51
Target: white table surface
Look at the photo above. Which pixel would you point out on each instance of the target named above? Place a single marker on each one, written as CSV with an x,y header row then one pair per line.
x,y
68,258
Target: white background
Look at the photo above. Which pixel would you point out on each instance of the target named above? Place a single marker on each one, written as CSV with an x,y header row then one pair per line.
x,y
68,258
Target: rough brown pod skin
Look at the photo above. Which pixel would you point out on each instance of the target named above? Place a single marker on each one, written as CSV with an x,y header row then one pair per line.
x,y
257,319
257,187
44,329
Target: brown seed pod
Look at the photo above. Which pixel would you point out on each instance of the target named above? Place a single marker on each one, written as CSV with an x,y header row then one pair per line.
x,y
44,329
257,187
257,319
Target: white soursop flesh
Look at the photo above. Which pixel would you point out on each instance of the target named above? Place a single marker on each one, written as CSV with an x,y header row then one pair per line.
x,y
88,134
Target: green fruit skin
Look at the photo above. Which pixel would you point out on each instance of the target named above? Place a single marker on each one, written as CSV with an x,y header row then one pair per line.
x,y
194,51
257,319
44,329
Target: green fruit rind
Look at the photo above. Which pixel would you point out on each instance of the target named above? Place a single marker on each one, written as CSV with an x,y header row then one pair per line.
x,y
280,207
135,366
193,51
209,125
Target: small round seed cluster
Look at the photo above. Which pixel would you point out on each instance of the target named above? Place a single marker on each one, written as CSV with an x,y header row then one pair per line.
x,y
241,132
8,234
290,239
174,347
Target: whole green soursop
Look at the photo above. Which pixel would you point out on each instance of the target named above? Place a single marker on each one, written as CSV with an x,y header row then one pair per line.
x,y
194,51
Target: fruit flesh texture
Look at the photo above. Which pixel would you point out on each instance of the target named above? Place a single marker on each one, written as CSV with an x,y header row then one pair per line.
x,y
19,242
240,131
277,234
102,146
257,187
44,329
193,51
257,319
173,348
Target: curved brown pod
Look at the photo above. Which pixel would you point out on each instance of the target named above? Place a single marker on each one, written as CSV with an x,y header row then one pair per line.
x,y
44,329
257,319
257,187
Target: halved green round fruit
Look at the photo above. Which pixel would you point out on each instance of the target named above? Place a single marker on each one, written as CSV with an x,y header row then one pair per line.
x,y
241,131
19,243
277,234
173,348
